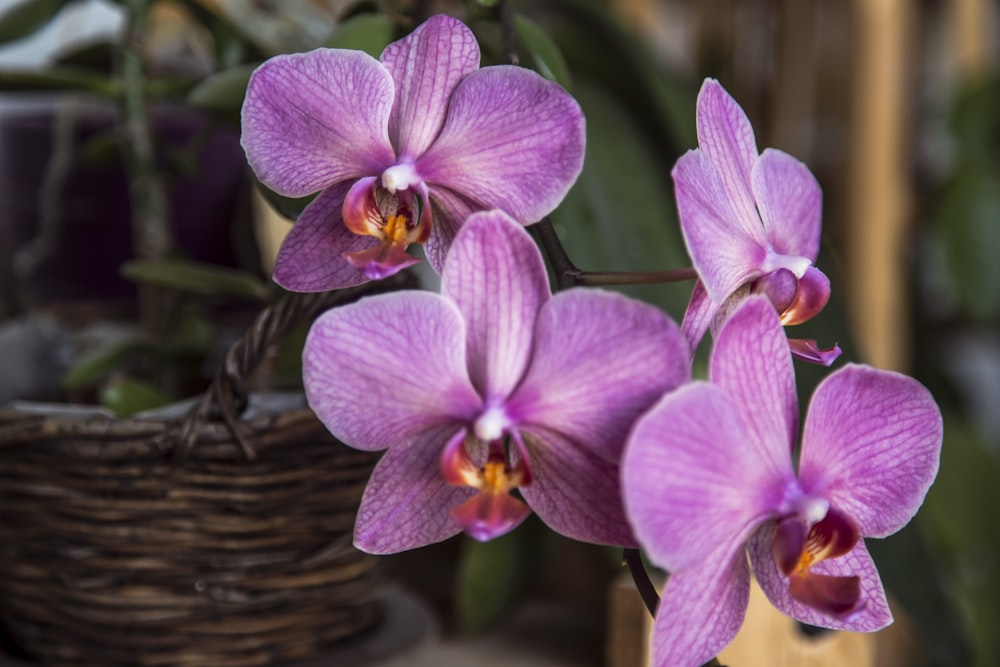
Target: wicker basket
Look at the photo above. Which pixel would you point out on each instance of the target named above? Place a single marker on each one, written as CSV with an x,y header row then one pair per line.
x,y
207,540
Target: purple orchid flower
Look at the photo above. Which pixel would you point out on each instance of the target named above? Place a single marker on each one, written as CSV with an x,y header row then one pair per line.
x,y
710,470
751,223
490,386
402,150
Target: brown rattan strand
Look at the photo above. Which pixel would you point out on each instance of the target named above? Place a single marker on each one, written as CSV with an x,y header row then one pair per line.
x,y
200,542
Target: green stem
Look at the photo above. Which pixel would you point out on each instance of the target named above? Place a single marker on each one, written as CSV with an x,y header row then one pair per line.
x,y
150,220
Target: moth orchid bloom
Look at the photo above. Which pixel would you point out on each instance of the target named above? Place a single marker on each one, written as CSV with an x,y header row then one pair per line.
x,y
751,223
708,476
401,150
491,386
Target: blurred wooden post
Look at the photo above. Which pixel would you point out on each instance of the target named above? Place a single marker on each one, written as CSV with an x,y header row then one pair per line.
x,y
767,638
879,177
971,21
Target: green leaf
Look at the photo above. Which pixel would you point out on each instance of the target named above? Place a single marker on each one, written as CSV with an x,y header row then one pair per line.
x,y
492,576
59,78
27,17
370,33
222,92
969,223
544,53
126,396
616,219
962,584
196,278
100,363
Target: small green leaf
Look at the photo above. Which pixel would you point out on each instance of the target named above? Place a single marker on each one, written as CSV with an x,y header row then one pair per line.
x,y
100,363
370,33
58,78
26,17
196,278
288,207
223,92
126,396
545,55
493,575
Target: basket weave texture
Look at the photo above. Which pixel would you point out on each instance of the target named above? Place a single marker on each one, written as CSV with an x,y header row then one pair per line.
x,y
203,541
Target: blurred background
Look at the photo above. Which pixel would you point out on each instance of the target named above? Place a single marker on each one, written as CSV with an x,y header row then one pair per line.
x,y
893,104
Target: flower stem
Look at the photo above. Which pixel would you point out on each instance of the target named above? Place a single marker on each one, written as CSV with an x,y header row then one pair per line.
x,y
602,278
643,584
566,271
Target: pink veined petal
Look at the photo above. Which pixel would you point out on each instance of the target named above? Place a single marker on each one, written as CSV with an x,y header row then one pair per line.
x,y
311,256
725,255
726,137
317,118
600,360
702,609
450,211
495,274
873,609
751,362
790,203
698,316
382,371
426,65
574,492
809,350
406,503
512,140
871,445
692,480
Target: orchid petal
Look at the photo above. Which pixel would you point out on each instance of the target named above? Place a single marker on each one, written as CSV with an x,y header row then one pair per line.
x,y
382,371
871,445
426,65
600,360
726,137
698,316
872,610
406,503
790,203
311,256
702,609
495,274
725,256
680,471
317,118
809,350
575,493
450,211
512,140
751,362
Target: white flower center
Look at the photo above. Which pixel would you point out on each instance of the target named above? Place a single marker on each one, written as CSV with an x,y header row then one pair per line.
x,y
490,425
399,177
812,510
794,263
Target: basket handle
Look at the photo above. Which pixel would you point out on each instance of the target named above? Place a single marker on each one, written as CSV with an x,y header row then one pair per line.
x,y
226,397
